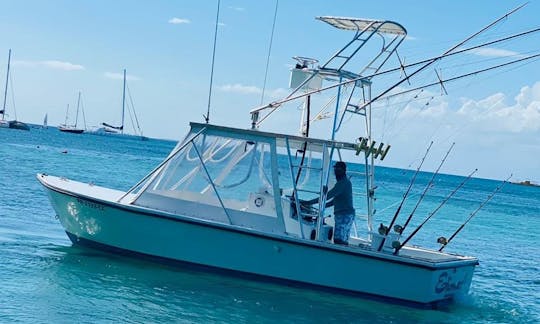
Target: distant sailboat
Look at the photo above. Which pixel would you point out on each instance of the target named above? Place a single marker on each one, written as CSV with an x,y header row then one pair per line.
x,y
73,128
45,121
15,124
109,129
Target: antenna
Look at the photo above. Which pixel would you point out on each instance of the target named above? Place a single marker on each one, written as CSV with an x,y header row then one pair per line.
x,y
207,117
269,50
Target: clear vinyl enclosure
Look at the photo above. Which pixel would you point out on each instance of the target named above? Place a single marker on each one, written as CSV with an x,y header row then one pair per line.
x,y
240,177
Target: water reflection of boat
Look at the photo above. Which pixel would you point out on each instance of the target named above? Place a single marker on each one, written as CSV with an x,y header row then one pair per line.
x,y
228,198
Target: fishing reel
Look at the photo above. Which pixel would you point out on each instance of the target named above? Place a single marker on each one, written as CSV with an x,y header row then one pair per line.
x,y
384,230
442,240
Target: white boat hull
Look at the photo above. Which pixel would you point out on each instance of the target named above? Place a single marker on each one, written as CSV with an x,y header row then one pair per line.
x,y
102,222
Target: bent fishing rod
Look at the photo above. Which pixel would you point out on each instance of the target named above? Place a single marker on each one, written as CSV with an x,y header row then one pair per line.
x,y
275,105
429,185
445,242
387,230
434,212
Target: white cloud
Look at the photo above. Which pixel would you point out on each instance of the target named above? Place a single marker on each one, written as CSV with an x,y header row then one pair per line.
x,y
67,66
237,8
253,90
410,38
240,88
120,76
51,64
496,134
483,122
176,21
493,52
278,93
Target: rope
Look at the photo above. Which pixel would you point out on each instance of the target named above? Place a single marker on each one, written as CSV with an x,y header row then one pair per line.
x,y
12,95
134,113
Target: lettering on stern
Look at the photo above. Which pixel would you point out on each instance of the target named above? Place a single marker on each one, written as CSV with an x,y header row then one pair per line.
x,y
447,283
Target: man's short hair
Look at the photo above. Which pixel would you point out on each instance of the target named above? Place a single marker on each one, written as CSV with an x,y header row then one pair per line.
x,y
340,165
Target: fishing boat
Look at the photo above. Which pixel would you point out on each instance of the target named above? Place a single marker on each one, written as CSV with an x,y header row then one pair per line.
x,y
4,123
230,199
67,128
109,129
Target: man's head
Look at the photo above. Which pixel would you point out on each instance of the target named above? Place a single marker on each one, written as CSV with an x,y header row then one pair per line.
x,y
340,168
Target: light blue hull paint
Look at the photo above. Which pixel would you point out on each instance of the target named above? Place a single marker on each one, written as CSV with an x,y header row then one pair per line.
x,y
285,258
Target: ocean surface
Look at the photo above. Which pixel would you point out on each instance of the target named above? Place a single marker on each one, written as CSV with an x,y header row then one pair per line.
x,y
44,279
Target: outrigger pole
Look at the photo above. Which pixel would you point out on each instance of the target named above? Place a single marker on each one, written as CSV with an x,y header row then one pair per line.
x,y
387,230
430,183
207,116
428,62
434,211
440,81
445,242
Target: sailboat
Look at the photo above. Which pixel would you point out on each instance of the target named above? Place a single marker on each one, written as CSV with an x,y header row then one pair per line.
x,y
231,198
45,121
15,124
109,129
73,128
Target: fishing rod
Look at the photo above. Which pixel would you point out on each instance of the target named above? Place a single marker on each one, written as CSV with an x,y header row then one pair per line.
x,y
468,49
428,62
462,76
387,230
402,67
441,81
277,104
430,183
434,211
445,242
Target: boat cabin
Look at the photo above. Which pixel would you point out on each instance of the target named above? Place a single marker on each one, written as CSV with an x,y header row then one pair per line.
x,y
245,178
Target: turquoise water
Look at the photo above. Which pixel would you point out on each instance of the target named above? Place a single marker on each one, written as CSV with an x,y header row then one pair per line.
x,y
44,279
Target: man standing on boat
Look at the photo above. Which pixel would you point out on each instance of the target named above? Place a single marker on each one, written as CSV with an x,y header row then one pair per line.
x,y
340,196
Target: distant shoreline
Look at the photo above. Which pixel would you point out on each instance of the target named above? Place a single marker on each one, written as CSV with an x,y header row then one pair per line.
x,y
527,183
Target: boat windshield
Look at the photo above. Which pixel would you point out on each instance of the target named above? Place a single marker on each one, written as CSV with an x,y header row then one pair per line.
x,y
223,173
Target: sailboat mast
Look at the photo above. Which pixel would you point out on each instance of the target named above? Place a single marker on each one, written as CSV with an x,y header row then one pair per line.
x,y
77,113
7,80
123,103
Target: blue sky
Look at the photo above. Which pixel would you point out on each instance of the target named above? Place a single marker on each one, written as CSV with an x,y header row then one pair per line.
x,y
62,47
